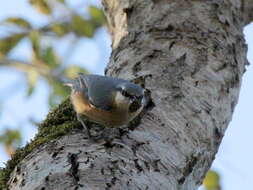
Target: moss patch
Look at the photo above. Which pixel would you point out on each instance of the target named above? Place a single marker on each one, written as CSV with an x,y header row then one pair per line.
x,y
59,122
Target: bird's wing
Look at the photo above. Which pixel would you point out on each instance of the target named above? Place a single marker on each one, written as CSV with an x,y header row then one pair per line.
x,y
99,91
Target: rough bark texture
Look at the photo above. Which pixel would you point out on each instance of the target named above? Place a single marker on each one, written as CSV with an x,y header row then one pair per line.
x,y
247,9
191,56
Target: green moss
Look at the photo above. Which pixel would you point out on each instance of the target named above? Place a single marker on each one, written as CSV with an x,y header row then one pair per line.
x,y
59,122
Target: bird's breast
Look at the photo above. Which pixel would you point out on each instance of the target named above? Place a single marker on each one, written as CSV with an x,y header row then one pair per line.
x,y
115,117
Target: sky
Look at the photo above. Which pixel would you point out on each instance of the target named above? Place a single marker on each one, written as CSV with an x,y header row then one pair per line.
x,y
234,159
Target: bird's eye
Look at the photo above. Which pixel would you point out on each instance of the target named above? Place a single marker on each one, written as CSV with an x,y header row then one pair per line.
x,y
124,93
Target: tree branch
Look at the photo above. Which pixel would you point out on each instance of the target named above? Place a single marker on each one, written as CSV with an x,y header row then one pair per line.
x,y
26,67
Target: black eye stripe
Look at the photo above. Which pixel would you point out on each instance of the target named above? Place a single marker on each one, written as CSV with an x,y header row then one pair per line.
x,y
124,93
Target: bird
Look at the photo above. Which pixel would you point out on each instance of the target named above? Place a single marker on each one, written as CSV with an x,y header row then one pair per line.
x,y
107,101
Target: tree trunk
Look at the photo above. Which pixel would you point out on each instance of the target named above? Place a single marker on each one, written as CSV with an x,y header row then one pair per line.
x,y
191,55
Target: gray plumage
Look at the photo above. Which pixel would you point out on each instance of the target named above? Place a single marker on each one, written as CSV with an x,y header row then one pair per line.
x,y
98,89
108,101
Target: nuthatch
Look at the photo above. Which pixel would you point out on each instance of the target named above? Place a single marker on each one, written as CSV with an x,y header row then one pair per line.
x,y
111,102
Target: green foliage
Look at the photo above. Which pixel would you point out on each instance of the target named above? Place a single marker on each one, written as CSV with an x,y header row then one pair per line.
x,y
48,55
11,137
8,43
32,78
42,6
212,180
60,29
82,27
35,40
11,140
97,15
18,22
73,70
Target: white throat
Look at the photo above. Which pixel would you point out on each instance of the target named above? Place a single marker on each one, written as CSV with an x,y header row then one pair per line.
x,y
123,104
122,101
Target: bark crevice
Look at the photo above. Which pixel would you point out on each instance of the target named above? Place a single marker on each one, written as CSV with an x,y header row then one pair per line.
x,y
73,171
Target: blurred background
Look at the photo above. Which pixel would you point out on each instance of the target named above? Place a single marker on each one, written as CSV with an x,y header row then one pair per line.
x,y
42,41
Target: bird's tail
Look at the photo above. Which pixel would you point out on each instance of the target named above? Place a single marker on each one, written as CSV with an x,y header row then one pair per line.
x,y
77,83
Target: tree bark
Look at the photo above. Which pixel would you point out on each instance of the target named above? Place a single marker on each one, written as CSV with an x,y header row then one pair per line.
x,y
247,11
191,55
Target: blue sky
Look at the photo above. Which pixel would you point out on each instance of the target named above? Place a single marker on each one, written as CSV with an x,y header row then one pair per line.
x,y
234,159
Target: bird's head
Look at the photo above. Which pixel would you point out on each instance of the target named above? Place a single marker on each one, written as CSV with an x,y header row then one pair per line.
x,y
130,96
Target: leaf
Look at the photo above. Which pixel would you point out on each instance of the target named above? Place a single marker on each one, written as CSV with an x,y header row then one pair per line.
x,y
19,22
30,90
42,6
73,70
212,180
61,1
8,43
35,40
82,27
32,77
11,140
97,15
49,57
60,29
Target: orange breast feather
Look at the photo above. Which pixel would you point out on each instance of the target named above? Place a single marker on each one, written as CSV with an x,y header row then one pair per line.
x,y
112,118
